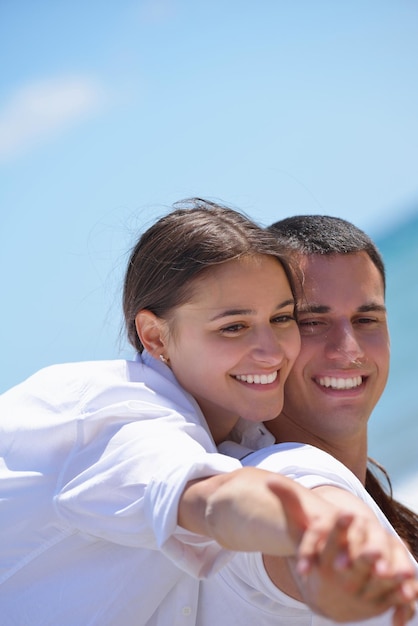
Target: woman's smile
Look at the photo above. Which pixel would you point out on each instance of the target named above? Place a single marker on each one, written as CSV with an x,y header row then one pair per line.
x,y
257,379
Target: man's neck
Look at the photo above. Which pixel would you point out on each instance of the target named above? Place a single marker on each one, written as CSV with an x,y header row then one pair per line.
x,y
351,451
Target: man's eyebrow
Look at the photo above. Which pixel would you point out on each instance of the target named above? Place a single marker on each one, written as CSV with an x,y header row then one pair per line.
x,y
322,308
313,308
231,312
372,306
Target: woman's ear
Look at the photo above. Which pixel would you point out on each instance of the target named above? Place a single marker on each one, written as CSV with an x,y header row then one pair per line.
x,y
151,331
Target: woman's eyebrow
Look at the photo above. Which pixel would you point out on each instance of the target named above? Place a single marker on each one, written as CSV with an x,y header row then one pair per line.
x,y
230,312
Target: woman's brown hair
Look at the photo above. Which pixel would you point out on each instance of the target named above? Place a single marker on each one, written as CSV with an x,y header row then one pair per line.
x,y
179,247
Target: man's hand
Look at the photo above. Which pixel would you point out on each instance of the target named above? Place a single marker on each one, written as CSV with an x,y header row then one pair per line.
x,y
361,571
343,565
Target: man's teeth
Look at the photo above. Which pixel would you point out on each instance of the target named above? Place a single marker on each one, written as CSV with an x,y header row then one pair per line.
x,y
258,379
340,383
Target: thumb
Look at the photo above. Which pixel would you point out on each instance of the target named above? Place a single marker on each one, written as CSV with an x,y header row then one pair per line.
x,y
292,498
402,614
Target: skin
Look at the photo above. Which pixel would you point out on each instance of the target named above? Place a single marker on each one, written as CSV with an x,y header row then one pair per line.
x,y
356,572
345,339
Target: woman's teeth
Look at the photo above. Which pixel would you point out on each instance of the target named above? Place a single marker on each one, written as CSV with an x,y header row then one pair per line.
x,y
258,379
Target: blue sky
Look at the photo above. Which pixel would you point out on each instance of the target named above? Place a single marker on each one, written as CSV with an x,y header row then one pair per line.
x,y
111,111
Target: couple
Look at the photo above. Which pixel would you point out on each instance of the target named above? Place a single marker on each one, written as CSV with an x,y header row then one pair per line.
x,y
114,501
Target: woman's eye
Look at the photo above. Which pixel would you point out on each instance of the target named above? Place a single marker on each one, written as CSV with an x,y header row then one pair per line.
x,y
232,328
284,318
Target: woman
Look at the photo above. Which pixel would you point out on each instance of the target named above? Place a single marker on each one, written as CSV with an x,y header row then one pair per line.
x,y
113,498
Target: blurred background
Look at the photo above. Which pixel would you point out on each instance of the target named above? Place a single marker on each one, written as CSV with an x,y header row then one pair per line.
x,y
111,111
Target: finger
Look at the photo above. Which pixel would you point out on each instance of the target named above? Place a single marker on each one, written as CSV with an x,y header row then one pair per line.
x,y
335,553
402,614
403,599
297,518
352,561
321,548
300,524
346,547
401,564
339,546
370,544
339,539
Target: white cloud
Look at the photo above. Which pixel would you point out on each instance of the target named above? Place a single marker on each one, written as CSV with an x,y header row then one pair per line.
x,y
41,109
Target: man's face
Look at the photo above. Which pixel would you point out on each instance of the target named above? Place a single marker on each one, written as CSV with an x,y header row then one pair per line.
x,y
343,364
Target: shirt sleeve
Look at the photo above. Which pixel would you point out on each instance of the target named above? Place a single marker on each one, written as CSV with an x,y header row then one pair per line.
x,y
309,466
123,483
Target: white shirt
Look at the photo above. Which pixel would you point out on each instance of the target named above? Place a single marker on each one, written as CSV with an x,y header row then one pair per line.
x,y
242,592
93,459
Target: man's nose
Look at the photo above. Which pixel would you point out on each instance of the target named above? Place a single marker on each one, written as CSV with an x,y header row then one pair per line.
x,y
343,343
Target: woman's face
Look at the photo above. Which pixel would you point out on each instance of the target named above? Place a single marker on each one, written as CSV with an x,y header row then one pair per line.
x,y
233,344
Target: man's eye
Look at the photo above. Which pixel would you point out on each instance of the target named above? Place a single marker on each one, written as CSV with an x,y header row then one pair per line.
x,y
308,323
366,320
310,326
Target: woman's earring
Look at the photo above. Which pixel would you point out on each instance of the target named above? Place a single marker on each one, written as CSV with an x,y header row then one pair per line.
x,y
163,359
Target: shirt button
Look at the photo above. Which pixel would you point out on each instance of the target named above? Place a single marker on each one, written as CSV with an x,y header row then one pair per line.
x,y
187,611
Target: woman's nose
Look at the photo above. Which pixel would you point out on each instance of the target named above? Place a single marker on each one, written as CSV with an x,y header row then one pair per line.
x,y
268,348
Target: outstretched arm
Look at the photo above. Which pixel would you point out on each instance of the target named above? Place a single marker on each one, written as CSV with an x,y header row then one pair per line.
x,y
242,512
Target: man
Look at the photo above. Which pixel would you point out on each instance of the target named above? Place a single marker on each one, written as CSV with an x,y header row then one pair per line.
x,y
335,383
343,365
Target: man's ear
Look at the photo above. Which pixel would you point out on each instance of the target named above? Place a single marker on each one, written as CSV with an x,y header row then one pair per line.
x,y
151,331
